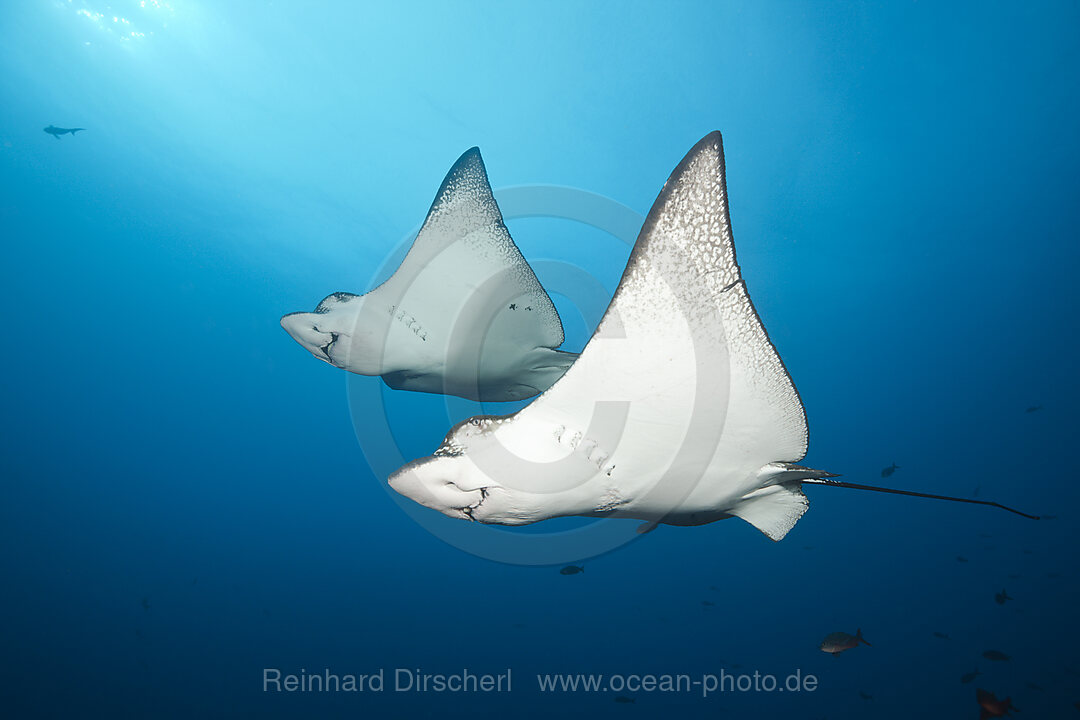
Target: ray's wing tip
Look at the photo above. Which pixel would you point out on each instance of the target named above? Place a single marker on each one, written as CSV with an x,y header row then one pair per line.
x,y
469,158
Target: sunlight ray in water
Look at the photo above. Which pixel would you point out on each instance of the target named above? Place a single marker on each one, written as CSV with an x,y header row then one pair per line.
x,y
136,22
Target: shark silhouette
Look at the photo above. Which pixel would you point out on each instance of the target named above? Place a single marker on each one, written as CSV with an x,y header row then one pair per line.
x,y
56,132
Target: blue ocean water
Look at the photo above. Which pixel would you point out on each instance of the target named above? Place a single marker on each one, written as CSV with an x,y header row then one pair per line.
x,y
184,500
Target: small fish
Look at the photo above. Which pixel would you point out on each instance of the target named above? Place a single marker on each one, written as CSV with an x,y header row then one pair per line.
x,y
708,603
1033,686
890,470
865,696
572,570
995,655
837,642
968,677
623,699
1028,552
961,558
991,706
56,132
941,635
807,547
1002,596
976,492
1033,408
138,632
145,603
713,587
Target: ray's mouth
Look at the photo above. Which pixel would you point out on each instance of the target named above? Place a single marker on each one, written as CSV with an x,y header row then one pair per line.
x,y
468,510
325,349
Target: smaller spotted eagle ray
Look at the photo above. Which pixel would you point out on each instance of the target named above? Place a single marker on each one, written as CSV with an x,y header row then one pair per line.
x,y
463,314
678,411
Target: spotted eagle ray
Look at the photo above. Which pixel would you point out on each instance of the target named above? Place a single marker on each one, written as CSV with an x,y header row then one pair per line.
x,y
463,314
679,410
56,132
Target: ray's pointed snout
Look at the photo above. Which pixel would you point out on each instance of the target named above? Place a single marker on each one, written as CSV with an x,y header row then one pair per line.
x,y
303,329
432,485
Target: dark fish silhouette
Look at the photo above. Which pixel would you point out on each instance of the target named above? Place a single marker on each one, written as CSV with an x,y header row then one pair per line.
x,y
145,603
890,470
941,635
968,677
708,603
1033,686
961,558
976,492
991,707
1002,596
56,132
1034,408
837,642
995,655
572,570
865,696
623,699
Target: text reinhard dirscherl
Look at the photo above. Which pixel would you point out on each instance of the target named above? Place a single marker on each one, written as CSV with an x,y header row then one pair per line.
x,y
402,680
415,680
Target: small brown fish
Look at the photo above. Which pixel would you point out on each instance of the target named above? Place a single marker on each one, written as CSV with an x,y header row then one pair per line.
x,y
837,642
890,470
572,570
992,707
995,655
969,676
1001,597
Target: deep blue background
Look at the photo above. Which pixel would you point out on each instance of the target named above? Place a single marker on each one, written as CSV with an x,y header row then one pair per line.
x,y
904,200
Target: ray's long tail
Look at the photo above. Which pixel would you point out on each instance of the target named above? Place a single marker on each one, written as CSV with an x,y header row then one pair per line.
x,y
829,481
